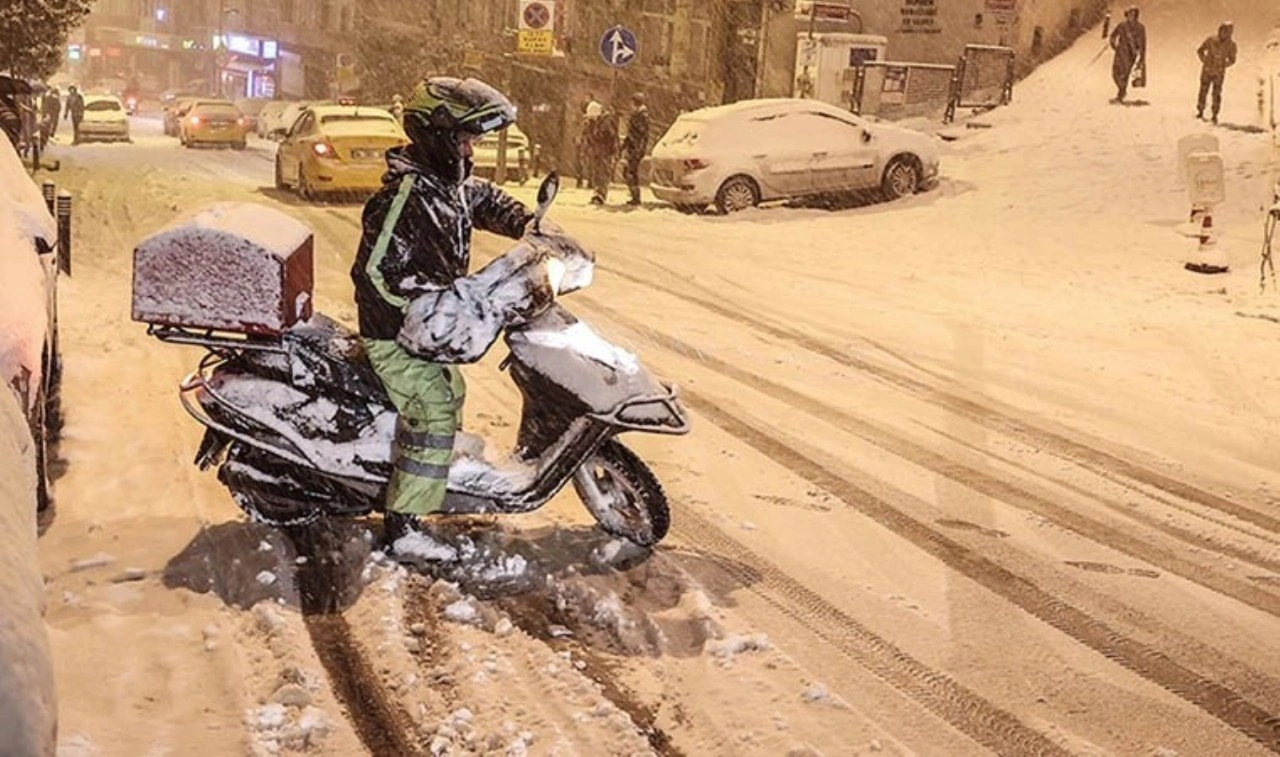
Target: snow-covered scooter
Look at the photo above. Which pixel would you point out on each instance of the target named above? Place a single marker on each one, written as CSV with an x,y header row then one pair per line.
x,y
303,428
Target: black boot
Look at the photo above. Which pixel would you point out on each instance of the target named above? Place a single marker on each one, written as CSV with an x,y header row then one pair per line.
x,y
395,526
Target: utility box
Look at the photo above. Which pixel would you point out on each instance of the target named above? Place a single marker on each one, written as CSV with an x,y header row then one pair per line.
x,y
239,267
823,58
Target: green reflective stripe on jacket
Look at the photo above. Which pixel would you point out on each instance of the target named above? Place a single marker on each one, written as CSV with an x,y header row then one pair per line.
x,y
384,239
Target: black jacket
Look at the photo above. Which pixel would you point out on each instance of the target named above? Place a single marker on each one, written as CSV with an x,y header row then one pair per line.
x,y
75,107
429,244
637,140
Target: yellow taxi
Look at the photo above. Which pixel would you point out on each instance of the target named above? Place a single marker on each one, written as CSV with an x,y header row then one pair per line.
x,y
337,148
213,122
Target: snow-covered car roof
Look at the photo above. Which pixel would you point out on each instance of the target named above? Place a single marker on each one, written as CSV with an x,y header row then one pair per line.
x,y
100,98
763,106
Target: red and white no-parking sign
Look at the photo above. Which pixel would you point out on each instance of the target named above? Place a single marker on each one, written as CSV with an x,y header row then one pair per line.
x,y
537,15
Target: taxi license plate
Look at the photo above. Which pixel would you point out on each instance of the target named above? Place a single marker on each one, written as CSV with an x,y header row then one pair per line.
x,y
366,154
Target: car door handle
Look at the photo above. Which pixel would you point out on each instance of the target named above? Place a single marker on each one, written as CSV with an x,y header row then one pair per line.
x,y
821,154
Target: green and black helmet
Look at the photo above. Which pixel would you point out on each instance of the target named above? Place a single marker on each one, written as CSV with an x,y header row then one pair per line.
x,y
443,107
466,105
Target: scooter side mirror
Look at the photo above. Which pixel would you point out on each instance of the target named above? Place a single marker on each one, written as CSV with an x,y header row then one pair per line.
x,y
547,192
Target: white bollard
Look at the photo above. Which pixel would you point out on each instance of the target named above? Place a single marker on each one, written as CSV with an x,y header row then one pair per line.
x,y
1209,257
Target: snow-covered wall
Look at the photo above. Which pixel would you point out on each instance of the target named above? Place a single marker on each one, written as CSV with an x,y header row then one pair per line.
x,y
28,712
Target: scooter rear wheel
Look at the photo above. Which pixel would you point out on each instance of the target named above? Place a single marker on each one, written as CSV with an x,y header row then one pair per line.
x,y
266,489
624,496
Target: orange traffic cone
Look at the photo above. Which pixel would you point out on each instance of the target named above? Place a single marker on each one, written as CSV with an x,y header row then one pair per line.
x,y
1209,258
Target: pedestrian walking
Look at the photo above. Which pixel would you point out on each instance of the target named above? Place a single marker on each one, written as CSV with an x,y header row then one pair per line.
x,y
74,112
582,176
602,149
1217,54
635,145
1129,40
50,111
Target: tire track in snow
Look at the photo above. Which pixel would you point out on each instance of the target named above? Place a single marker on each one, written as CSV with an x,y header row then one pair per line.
x,y
383,728
1214,698
934,690
1099,462
972,478
1220,701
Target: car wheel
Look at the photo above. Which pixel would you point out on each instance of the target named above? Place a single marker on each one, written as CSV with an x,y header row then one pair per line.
x,y
737,193
40,435
280,176
901,178
304,186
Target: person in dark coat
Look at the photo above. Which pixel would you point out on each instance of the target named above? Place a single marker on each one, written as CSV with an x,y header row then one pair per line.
x,y
417,240
635,145
75,112
602,151
581,152
51,111
1217,54
1129,40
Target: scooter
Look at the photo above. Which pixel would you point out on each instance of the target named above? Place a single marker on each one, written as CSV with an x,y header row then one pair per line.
x,y
304,430
131,106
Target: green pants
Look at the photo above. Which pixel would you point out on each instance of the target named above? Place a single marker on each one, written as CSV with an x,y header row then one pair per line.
x,y
429,397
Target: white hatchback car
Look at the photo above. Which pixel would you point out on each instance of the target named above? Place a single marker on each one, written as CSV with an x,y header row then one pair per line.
x,y
104,119
751,151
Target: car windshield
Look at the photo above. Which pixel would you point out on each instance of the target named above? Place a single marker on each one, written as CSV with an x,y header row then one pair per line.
x,y
683,132
102,105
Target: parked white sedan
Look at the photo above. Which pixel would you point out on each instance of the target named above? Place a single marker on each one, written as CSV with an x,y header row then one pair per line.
x,y
104,119
739,155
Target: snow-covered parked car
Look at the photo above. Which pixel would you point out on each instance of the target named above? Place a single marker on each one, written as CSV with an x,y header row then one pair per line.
x,y
739,155
28,711
104,119
29,363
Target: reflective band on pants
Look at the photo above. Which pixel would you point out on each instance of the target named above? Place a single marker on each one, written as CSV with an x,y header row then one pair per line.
x,y
429,398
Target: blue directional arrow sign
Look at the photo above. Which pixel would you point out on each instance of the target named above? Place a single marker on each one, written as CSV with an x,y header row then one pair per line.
x,y
619,47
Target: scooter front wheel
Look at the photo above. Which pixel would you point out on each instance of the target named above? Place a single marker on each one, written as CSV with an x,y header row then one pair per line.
x,y
623,495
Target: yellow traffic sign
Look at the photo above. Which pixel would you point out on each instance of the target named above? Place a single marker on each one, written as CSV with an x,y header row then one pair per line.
x,y
535,41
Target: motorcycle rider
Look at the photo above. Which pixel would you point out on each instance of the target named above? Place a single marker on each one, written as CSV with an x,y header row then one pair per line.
x,y
417,239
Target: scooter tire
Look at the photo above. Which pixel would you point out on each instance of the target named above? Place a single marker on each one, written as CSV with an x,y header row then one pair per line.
x,y
266,489
649,515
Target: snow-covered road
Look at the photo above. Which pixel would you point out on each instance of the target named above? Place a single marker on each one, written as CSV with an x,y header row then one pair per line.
x,y
984,470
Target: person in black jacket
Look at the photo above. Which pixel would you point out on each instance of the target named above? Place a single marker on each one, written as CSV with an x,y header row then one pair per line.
x,y
1129,40
635,145
75,112
416,240
51,111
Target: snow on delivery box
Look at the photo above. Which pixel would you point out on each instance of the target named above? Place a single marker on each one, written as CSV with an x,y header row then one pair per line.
x,y
237,267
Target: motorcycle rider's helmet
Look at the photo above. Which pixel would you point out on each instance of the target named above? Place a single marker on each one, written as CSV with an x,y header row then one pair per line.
x,y
441,110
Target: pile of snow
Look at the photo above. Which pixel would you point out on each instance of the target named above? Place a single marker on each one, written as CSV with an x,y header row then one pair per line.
x,y
28,713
